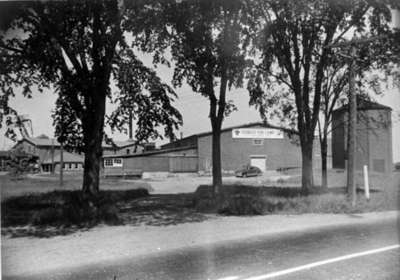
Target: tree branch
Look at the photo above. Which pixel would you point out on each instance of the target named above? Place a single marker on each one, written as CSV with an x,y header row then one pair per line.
x,y
351,25
3,46
282,80
319,75
282,128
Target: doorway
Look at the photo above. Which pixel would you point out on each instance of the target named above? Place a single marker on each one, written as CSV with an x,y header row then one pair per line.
x,y
259,161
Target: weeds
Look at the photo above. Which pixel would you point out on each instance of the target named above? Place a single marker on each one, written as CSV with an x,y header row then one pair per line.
x,y
247,200
65,208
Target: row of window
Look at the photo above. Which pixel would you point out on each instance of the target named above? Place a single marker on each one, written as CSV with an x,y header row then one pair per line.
x,y
113,162
71,165
66,166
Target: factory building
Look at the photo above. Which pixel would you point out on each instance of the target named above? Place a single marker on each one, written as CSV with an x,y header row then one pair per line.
x,y
254,143
48,152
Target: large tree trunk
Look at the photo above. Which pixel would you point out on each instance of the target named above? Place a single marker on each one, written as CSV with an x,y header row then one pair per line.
x,y
91,173
93,131
307,167
324,155
216,159
217,117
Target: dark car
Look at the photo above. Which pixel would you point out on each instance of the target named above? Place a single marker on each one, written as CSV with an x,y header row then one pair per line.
x,y
248,171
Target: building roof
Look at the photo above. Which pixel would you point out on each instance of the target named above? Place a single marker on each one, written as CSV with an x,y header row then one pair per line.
x,y
364,104
127,143
47,142
17,153
40,142
252,124
67,158
235,127
148,153
4,154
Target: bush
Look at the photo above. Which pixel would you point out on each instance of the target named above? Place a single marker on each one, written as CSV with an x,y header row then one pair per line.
x,y
241,204
247,200
48,216
231,200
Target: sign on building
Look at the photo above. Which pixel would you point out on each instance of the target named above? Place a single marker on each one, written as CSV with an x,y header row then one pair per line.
x,y
264,133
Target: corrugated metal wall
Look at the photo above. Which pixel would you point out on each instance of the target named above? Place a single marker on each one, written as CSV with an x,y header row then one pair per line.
x,y
183,164
154,164
147,164
236,152
374,140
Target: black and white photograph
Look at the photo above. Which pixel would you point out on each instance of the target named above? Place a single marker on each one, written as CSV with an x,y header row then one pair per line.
x,y
200,139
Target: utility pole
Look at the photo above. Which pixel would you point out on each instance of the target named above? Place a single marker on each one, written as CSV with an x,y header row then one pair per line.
x,y
351,131
61,164
61,154
52,156
130,125
352,116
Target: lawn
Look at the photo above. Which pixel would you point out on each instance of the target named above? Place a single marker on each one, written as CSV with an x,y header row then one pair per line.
x,y
240,199
38,206
42,183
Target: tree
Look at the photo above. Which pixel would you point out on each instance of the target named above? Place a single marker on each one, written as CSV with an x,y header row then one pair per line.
x,y
80,49
333,92
296,49
209,43
363,56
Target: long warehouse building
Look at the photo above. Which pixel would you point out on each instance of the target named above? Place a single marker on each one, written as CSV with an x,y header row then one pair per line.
x,y
253,143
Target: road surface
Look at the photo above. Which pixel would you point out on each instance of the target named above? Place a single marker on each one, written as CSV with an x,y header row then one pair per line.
x,y
344,252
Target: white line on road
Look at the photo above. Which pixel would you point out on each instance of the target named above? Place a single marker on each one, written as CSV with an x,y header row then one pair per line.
x,y
315,264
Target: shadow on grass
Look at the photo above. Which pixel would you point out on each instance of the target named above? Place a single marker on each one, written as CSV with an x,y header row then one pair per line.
x,y
41,231
62,213
161,210
66,212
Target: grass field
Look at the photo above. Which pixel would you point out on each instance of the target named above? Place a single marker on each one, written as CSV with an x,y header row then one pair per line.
x,y
239,199
39,206
42,183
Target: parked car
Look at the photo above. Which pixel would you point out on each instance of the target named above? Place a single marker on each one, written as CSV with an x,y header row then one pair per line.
x,y
248,171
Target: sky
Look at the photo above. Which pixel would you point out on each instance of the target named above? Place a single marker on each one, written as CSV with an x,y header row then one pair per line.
x,y
192,106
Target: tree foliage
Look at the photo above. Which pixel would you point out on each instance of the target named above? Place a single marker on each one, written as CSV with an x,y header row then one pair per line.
x,y
298,46
209,43
80,49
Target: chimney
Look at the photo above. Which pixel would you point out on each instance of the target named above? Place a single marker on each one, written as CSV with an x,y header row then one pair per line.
x,y
181,135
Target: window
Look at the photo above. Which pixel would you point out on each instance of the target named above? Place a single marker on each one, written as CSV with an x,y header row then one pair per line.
x,y
113,162
108,162
258,142
69,166
117,162
76,166
127,151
